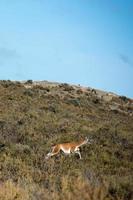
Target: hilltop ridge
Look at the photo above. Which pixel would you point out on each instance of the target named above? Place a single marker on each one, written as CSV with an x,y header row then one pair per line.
x,y
120,103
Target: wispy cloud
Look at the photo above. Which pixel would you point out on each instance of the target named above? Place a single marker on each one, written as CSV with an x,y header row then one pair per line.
x,y
125,59
6,53
11,60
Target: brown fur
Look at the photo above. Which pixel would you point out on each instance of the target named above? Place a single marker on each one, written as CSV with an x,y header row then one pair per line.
x,y
67,148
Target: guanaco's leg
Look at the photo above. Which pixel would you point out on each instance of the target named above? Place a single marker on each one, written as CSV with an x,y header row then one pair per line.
x,y
78,152
55,151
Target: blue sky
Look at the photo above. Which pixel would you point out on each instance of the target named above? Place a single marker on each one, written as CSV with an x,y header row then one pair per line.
x,y
87,42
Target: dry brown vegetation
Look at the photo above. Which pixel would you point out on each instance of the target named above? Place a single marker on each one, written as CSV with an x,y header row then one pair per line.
x,y
34,116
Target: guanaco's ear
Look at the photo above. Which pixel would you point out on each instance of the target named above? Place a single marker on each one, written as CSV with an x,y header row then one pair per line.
x,y
86,139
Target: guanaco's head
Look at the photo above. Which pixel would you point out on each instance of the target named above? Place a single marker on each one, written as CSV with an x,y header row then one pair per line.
x,y
88,140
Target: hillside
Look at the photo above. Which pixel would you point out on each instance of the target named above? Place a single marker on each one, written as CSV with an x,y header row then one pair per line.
x,y
36,115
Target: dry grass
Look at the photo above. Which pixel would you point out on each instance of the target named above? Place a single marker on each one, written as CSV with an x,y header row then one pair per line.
x,y
12,191
79,188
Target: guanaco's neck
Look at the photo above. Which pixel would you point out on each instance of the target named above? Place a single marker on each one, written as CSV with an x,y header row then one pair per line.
x,y
82,143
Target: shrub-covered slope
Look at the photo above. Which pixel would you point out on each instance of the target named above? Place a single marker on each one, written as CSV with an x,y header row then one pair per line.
x,y
36,115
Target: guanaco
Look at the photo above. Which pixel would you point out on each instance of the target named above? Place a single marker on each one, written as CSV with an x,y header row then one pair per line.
x,y
68,148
